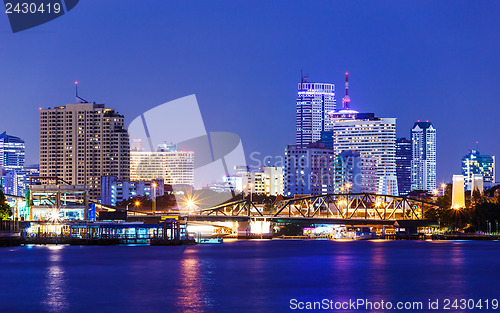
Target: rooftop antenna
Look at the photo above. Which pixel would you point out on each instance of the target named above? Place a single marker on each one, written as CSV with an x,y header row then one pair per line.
x,y
79,99
346,100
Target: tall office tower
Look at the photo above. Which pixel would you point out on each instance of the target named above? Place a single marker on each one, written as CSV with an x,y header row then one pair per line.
x,y
174,166
309,170
12,159
373,137
423,161
403,165
314,101
12,155
81,142
476,163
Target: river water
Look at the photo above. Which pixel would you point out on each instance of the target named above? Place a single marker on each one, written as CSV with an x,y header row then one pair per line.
x,y
246,275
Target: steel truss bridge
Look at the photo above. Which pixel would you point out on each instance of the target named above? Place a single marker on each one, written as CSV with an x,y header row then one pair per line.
x,y
352,209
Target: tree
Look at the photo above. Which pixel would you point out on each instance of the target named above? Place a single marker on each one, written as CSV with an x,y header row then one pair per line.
x,y
5,210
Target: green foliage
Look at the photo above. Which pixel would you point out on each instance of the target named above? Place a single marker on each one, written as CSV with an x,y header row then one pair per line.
x,y
482,212
486,215
5,210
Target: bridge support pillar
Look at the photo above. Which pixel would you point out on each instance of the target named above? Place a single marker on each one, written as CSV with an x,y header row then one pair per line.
x,y
255,229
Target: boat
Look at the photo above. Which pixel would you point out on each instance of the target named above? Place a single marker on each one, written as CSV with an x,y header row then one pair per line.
x,y
211,240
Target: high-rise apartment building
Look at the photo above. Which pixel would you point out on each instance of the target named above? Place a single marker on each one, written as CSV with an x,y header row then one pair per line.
x,y
81,142
423,163
314,102
480,164
403,165
168,162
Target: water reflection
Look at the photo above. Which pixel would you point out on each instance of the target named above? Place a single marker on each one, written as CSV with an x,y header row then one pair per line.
x,y
379,270
457,262
55,282
190,290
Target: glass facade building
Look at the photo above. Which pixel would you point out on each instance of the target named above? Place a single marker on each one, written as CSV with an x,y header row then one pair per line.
x,y
423,163
403,165
479,164
13,176
314,102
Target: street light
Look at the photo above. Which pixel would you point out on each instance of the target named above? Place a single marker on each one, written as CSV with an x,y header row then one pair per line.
x,y
443,186
348,187
190,205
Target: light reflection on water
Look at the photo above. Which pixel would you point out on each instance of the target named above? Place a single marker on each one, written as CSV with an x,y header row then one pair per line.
x,y
55,287
190,288
242,276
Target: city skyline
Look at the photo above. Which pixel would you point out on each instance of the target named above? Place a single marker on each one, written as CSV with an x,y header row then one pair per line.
x,y
406,82
249,156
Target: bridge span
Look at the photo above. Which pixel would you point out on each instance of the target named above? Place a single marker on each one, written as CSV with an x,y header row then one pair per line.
x,y
346,209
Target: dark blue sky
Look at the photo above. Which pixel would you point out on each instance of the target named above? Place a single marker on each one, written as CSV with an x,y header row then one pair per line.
x,y
427,60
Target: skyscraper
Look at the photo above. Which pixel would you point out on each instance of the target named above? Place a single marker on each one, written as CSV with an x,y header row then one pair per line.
x,y
403,165
314,102
373,137
12,159
12,156
81,142
423,163
480,164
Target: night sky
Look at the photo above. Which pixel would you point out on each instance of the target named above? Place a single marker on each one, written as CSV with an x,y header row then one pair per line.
x,y
413,60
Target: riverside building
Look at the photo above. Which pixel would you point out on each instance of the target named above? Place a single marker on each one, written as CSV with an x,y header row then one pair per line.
x,y
81,142
168,162
373,137
474,163
14,178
